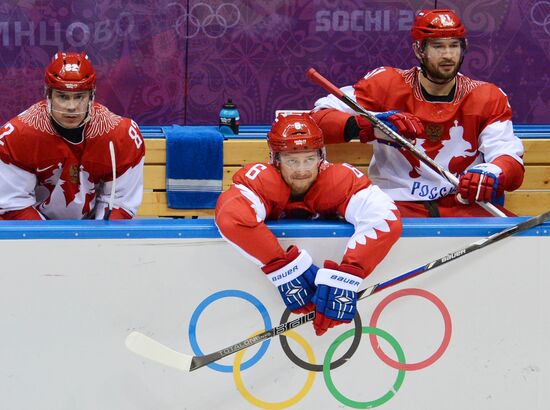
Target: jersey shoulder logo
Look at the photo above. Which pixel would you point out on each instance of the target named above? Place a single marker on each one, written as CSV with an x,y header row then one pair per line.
x,y
36,116
410,77
102,121
464,86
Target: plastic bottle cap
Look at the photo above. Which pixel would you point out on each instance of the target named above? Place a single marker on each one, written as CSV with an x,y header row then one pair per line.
x,y
229,104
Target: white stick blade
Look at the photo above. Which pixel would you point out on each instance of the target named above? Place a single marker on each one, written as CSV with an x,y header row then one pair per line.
x,y
151,349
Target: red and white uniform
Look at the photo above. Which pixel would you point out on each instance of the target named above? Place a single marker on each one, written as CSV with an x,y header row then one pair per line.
x,y
476,127
44,175
259,193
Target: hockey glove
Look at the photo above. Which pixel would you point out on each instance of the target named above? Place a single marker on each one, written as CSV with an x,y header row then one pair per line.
x,y
336,296
294,277
480,184
405,124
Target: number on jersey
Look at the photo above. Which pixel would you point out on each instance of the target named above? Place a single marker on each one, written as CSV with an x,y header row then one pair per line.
x,y
358,173
253,172
9,129
135,135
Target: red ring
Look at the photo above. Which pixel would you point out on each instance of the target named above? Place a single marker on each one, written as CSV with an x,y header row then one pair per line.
x,y
446,337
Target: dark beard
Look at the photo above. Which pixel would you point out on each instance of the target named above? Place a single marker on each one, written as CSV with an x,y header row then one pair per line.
x,y
437,77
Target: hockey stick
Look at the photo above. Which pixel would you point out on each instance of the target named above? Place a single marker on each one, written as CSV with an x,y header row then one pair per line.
x,y
390,133
113,185
146,347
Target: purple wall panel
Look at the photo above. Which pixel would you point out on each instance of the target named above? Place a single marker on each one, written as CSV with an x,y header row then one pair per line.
x,y
510,46
261,61
167,61
133,45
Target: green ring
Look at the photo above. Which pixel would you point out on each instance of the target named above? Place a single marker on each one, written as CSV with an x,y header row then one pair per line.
x,y
363,404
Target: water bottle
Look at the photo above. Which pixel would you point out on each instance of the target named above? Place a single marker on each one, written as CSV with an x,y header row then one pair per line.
x,y
229,118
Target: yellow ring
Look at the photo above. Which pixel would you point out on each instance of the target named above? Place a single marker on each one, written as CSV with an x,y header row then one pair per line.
x,y
282,404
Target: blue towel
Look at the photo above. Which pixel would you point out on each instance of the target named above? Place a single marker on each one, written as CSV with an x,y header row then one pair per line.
x,y
194,166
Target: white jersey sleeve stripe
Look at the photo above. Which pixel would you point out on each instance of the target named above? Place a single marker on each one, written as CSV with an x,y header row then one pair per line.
x,y
369,210
498,139
257,203
330,101
241,250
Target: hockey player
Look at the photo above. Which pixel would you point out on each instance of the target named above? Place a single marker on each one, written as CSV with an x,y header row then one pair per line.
x,y
55,157
467,126
299,183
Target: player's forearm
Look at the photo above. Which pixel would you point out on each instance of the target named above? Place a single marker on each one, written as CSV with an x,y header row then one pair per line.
x,y
512,172
333,123
377,225
239,223
368,252
254,240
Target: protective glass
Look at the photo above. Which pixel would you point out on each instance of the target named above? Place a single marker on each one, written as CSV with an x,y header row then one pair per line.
x,y
438,48
296,162
69,102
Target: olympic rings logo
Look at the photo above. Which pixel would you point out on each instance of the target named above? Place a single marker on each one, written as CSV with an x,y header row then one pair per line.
x,y
203,17
539,10
328,364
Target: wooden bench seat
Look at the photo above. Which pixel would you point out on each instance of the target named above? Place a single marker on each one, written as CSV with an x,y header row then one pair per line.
x,y
531,199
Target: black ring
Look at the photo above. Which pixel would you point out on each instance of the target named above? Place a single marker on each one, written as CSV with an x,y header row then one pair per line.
x,y
319,367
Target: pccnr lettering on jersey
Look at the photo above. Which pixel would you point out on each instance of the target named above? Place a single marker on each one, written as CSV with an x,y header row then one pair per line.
x,y
430,192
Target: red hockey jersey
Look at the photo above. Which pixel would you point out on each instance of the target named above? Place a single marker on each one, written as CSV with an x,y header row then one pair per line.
x,y
475,127
41,171
259,193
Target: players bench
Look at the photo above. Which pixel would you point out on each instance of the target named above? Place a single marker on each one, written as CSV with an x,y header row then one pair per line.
x,y
532,198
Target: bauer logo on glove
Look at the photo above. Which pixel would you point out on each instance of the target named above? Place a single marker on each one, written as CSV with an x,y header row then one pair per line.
x,y
294,277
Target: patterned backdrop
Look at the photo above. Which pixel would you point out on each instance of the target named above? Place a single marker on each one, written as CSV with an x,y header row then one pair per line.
x,y
166,61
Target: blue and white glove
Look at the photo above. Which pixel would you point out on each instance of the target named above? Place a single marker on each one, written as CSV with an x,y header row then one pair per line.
x,y
480,184
336,296
294,277
405,124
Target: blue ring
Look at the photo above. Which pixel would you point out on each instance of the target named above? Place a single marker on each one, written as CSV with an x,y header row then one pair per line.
x,y
224,294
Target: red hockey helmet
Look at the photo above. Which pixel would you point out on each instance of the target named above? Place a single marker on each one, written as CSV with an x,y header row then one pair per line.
x,y
438,23
70,72
294,133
